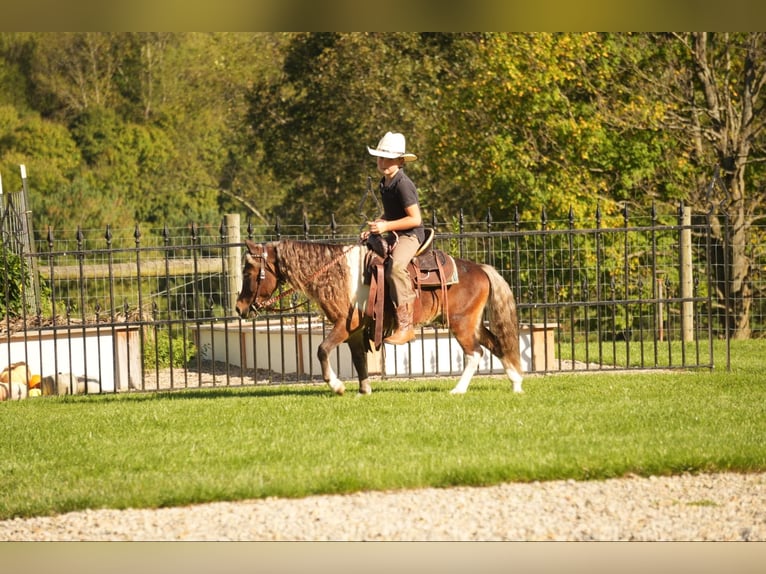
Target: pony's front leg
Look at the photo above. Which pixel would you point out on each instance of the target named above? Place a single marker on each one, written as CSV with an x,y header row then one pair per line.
x,y
337,335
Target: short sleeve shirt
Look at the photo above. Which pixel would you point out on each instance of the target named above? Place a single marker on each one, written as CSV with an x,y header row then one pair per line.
x,y
397,196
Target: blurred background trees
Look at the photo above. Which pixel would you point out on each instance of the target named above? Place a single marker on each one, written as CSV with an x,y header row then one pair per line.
x,y
163,128
172,127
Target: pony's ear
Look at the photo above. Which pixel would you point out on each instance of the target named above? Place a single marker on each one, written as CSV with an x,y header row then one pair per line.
x,y
251,247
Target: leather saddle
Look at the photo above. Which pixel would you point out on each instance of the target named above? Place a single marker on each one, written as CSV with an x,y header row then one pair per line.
x,y
429,269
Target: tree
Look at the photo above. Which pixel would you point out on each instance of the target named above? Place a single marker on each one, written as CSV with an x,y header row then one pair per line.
x,y
500,122
154,122
722,115
337,94
74,71
520,128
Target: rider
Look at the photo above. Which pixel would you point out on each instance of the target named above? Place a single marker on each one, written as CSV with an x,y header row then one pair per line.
x,y
401,214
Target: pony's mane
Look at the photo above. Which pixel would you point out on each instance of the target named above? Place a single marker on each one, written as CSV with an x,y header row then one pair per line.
x,y
302,265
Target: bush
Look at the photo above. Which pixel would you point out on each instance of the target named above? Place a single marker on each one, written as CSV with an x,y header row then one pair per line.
x,y
14,283
157,349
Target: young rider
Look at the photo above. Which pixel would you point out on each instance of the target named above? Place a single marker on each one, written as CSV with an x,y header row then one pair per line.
x,y
401,214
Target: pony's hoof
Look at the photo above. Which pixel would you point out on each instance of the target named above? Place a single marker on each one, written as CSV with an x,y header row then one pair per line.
x,y
365,388
457,392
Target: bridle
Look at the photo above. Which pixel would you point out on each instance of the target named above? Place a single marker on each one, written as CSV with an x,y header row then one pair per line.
x,y
263,256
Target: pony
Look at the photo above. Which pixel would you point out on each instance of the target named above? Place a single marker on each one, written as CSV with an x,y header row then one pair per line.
x,y
333,276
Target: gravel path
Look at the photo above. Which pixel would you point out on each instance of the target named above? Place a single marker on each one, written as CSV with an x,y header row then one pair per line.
x,y
712,507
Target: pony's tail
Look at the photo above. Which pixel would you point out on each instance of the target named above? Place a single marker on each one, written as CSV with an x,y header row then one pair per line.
x,y
503,322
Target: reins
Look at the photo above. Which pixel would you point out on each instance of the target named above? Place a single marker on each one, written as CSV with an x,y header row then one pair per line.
x,y
289,291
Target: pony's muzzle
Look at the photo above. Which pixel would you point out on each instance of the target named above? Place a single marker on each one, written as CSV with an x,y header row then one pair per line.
x,y
244,310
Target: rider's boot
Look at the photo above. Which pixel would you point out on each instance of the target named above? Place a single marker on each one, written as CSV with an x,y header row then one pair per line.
x,y
404,331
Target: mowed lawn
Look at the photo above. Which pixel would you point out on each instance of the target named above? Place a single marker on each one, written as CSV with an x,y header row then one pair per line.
x,y
59,454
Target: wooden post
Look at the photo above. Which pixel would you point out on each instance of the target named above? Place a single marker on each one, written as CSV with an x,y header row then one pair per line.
x,y
233,271
687,282
27,233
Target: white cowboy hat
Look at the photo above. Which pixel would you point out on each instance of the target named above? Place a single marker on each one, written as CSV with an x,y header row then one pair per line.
x,y
392,146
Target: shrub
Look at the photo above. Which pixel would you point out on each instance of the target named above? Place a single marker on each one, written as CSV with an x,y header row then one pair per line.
x,y
14,283
157,349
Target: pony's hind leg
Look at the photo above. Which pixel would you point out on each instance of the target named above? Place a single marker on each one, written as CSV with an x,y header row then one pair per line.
x,y
471,364
511,364
515,377
466,329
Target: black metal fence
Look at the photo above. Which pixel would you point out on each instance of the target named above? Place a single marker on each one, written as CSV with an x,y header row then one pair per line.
x,y
124,310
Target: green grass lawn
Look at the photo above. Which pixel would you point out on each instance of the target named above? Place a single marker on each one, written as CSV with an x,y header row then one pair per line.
x,y
59,454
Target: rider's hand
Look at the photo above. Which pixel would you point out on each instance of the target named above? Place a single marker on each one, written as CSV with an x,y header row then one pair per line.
x,y
378,226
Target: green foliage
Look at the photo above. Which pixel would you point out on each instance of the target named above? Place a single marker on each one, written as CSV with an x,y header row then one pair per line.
x,y
167,128
338,94
501,121
161,350
130,128
12,84
16,278
173,127
15,282
45,146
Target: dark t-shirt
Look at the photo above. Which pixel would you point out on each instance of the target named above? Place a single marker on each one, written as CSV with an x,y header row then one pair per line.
x,y
398,195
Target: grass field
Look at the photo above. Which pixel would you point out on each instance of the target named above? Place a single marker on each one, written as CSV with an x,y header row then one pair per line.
x,y
59,454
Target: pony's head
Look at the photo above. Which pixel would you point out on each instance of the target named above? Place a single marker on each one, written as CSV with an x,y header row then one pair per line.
x,y
260,277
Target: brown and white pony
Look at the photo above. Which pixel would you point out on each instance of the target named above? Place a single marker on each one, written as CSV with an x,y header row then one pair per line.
x,y
332,275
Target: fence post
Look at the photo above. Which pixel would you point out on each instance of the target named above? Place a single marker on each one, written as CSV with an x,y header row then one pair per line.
x,y
687,281
234,271
32,296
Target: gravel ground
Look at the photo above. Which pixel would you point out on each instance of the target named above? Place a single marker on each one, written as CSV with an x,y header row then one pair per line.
x,y
712,507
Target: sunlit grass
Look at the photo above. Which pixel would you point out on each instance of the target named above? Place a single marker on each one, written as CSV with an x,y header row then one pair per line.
x,y
640,353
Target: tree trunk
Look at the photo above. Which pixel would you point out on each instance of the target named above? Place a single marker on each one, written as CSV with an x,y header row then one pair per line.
x,y
740,296
731,130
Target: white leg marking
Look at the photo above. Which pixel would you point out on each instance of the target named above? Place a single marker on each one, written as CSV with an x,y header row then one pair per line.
x,y
471,364
516,379
335,383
